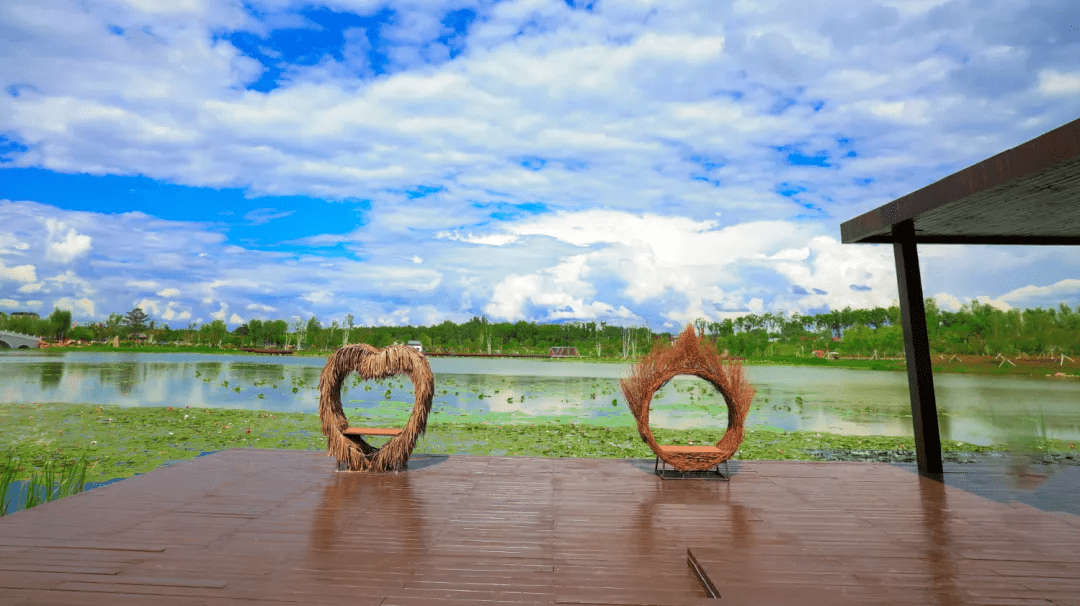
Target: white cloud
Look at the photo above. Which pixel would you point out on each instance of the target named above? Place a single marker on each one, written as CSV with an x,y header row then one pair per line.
x,y
1049,296
839,275
260,216
10,303
150,306
69,280
171,312
563,291
1053,82
31,287
64,243
168,292
11,245
19,273
652,256
489,240
998,303
1069,287
80,308
318,297
235,319
223,309
947,302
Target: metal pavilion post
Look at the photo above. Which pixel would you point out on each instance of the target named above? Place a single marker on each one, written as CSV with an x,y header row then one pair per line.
x,y
917,348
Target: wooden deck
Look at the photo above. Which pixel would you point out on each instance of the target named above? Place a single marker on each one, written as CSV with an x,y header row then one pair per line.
x,y
282,527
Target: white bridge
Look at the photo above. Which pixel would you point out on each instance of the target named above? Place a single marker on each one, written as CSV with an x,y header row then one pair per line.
x,y
14,340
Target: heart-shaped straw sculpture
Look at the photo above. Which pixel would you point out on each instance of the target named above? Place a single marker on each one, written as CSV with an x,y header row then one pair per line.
x,y
352,452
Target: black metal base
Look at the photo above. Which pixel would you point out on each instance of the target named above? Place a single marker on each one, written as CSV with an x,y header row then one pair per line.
x,y
674,474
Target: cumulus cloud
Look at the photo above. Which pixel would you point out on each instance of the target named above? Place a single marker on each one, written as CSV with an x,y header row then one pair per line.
x,y
11,245
1052,82
64,243
220,313
947,302
152,307
747,267
18,273
563,292
1044,296
83,307
172,312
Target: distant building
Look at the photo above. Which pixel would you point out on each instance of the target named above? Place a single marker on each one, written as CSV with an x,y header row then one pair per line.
x,y
563,352
417,345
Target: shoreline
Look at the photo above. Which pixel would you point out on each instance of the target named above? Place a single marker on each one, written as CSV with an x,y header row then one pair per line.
x,y
1026,367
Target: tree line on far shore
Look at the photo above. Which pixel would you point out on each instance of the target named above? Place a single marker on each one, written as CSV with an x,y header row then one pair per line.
x,y
976,328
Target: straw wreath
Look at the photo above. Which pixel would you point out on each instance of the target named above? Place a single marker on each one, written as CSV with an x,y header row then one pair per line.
x,y
691,355
371,363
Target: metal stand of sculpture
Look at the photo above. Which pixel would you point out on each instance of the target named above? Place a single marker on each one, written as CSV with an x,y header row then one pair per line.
x,y
691,355
352,452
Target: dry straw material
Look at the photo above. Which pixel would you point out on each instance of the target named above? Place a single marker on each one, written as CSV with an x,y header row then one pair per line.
x,y
691,355
353,452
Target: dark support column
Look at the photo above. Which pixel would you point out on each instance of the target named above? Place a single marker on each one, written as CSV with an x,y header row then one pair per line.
x,y
917,347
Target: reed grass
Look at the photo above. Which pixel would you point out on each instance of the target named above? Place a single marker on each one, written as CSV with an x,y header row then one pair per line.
x,y
7,480
53,481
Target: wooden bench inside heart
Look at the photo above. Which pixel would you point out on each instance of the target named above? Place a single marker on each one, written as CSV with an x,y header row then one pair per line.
x,y
688,449
372,431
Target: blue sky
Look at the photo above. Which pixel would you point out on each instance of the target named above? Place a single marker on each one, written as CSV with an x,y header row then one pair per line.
x,y
626,161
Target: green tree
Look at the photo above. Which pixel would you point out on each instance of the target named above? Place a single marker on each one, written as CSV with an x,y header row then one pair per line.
x,y
114,325
81,333
216,331
312,332
60,323
135,320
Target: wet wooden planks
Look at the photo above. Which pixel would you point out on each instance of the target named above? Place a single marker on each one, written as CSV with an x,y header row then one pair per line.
x,y
283,527
867,535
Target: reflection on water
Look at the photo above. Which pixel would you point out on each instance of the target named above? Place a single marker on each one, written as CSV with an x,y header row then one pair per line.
x,y
980,410
51,374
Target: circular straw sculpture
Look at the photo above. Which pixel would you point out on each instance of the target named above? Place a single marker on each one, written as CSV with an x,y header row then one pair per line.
x,y
371,363
691,355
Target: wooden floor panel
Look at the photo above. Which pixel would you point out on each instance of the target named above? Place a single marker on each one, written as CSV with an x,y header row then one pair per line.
x,y
283,527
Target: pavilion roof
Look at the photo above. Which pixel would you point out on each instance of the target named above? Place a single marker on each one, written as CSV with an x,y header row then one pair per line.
x,y
1029,194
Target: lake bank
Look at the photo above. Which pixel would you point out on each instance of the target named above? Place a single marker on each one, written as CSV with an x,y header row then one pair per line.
x,y
120,442
1028,367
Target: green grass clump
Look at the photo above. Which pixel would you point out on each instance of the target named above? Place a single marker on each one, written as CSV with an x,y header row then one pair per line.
x,y
45,485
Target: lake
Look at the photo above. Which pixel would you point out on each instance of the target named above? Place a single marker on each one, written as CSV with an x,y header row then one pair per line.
x,y
976,409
